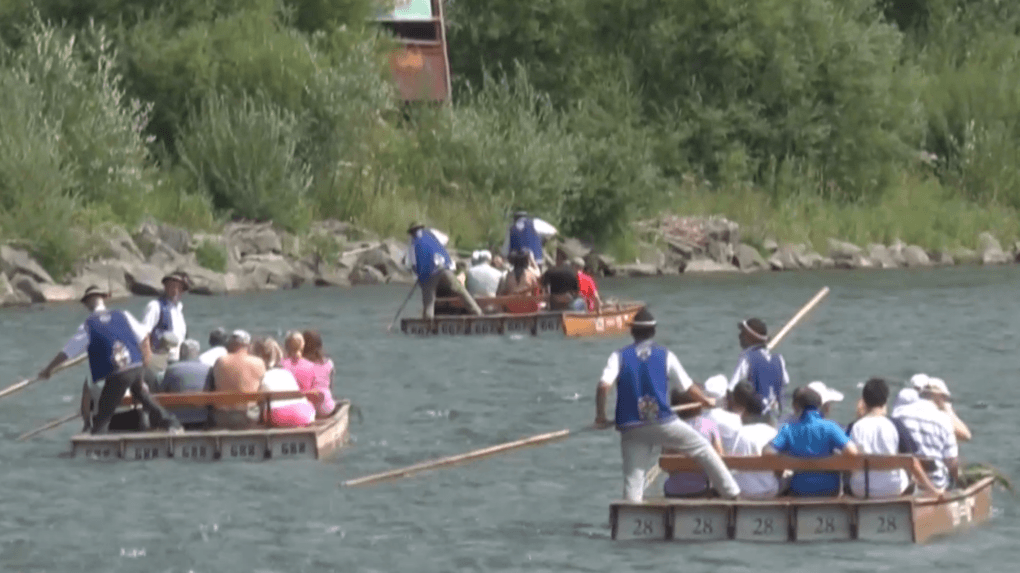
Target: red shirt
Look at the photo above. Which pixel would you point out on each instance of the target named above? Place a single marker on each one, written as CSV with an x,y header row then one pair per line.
x,y
587,289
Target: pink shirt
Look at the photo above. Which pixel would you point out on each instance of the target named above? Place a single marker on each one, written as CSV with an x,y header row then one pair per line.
x,y
313,376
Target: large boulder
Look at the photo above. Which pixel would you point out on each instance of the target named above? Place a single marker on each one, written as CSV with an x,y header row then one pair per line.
x,y
650,255
14,260
271,272
43,292
570,248
205,281
708,266
382,258
809,259
245,239
366,275
915,256
880,256
151,233
786,257
965,256
941,258
848,255
896,253
747,258
107,274
637,270
604,265
9,296
144,279
122,247
333,278
991,251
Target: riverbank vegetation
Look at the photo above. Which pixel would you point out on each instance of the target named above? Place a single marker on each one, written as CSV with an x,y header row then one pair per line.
x,y
865,120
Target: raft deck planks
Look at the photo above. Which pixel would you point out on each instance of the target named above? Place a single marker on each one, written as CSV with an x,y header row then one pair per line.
x,y
901,519
571,324
319,440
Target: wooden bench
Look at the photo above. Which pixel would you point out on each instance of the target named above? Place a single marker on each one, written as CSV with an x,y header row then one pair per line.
x,y
778,462
200,399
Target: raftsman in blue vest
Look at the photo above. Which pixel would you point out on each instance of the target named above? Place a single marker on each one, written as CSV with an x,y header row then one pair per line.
x,y
766,375
524,236
164,324
642,387
429,255
112,344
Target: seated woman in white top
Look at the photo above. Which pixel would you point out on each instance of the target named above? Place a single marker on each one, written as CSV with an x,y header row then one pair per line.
x,y
874,433
293,413
751,439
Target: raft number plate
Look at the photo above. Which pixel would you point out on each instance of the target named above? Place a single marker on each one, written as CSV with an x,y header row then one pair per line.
x,y
640,523
700,523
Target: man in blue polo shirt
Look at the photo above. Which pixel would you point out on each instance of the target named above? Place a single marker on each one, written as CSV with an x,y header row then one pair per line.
x,y
812,436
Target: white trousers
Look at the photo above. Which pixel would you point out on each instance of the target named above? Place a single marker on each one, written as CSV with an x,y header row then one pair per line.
x,y
638,447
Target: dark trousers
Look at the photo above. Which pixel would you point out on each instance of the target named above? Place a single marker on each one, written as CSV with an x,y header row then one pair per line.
x,y
116,387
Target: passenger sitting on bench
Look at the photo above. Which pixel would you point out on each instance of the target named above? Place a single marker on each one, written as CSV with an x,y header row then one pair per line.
x,y
692,484
751,440
875,433
293,413
811,436
188,375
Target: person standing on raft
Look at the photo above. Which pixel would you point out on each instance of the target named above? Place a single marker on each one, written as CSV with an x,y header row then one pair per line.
x,y
766,371
166,315
428,258
528,234
644,374
118,348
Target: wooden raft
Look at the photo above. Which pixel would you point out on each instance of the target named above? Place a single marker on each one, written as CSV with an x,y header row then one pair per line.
x,y
903,519
320,439
610,322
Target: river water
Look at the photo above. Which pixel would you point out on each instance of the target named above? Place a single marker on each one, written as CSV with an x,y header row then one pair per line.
x,y
539,509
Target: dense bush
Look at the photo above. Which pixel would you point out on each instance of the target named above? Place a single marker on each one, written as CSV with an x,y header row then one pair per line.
x,y
800,118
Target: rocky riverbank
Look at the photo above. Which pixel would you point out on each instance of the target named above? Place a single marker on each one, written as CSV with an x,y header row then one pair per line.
x,y
258,257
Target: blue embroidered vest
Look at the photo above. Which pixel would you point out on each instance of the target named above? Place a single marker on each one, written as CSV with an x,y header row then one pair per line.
x,y
524,236
642,387
429,255
164,324
766,375
112,345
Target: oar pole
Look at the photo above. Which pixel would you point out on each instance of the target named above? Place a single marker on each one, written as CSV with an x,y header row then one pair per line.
x,y
811,304
401,309
29,381
49,426
535,440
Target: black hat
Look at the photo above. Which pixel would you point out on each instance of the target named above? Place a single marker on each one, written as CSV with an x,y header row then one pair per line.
x,y
414,227
643,318
520,213
517,255
94,291
755,327
179,276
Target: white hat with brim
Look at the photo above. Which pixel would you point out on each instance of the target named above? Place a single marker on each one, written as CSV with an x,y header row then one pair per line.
x,y
919,381
715,387
937,386
827,394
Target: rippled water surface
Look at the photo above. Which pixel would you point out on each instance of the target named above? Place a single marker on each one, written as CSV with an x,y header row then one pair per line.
x,y
540,509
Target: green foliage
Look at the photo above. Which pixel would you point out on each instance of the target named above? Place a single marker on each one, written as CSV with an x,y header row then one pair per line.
x,y
211,256
243,156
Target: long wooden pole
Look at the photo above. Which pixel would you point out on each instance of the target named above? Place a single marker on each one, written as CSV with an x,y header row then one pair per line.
x,y
29,381
401,309
461,458
653,472
49,426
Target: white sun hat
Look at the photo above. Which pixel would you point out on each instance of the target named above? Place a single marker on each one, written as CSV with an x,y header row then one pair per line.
x,y
827,394
937,386
715,387
919,381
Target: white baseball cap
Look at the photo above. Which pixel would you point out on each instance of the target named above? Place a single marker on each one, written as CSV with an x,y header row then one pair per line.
x,y
827,394
715,387
937,386
919,381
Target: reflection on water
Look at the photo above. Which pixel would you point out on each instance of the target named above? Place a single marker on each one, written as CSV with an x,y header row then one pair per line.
x,y
543,508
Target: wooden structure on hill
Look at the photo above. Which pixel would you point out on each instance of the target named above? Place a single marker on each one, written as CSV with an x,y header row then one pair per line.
x,y
420,66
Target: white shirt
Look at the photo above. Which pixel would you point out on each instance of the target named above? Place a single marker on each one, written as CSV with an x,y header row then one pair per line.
x,y
751,441
178,326
542,229
409,260
932,430
729,424
483,280
677,376
79,343
877,435
280,380
209,357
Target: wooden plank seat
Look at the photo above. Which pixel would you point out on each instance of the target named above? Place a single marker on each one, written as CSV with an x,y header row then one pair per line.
x,y
199,399
778,462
